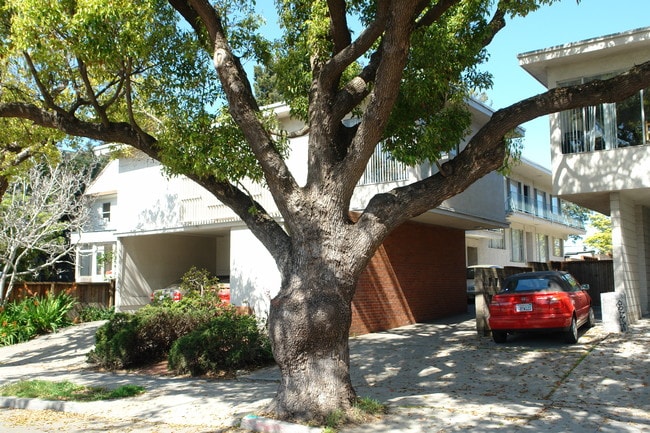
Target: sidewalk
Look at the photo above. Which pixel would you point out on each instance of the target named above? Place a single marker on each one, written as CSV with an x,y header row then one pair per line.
x,y
434,377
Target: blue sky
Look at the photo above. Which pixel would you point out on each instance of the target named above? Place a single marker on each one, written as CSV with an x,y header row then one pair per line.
x,y
558,24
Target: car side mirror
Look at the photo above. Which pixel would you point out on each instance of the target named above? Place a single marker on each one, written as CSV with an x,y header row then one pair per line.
x,y
585,287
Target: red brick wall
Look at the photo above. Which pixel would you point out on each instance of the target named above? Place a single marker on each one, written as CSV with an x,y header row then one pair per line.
x,y
417,275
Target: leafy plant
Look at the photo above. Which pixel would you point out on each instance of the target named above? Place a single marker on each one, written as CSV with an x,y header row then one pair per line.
x,y
144,337
49,313
92,313
226,343
199,280
23,320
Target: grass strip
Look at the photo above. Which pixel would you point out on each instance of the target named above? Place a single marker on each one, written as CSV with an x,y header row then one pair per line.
x,y
67,391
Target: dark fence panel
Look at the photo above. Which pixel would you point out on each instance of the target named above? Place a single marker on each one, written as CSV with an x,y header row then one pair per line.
x,y
599,274
95,294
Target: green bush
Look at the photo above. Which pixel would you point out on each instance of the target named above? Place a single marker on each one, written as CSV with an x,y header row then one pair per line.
x,y
226,343
145,337
115,342
23,320
91,313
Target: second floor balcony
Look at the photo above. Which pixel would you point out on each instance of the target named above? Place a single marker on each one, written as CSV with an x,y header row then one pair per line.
x,y
527,205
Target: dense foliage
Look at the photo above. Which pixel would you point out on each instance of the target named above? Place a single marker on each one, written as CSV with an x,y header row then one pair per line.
x,y
147,336
601,239
23,320
226,343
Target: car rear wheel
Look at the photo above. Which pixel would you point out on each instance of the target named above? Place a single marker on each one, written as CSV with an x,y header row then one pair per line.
x,y
571,335
499,336
591,321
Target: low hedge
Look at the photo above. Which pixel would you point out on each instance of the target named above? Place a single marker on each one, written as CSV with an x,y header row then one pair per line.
x,y
202,323
228,342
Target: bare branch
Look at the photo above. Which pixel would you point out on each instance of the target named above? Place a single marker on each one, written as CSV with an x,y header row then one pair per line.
x,y
339,25
47,97
91,92
44,203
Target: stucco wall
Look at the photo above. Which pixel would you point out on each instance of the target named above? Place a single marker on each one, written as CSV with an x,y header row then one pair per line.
x,y
155,261
254,277
602,171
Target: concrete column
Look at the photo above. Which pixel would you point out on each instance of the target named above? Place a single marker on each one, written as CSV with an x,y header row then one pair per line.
x,y
643,216
625,252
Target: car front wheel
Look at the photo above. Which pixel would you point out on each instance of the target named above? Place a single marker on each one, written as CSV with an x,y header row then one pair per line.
x,y
571,335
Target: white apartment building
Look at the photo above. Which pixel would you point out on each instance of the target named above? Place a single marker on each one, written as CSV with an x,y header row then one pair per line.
x,y
538,225
601,154
149,229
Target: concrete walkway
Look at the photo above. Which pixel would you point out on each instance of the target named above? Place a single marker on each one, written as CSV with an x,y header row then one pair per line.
x,y
438,377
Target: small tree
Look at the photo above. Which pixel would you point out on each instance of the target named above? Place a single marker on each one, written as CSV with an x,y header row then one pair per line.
x,y
601,241
37,213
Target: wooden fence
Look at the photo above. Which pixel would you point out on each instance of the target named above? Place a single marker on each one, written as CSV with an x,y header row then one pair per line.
x,y
95,294
599,274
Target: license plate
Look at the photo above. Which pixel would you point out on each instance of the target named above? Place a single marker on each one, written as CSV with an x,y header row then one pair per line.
x,y
520,308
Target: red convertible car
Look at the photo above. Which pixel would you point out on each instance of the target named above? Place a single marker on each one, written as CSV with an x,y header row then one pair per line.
x,y
540,301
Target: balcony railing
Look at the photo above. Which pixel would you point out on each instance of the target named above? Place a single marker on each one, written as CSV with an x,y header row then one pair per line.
x,y
523,204
383,168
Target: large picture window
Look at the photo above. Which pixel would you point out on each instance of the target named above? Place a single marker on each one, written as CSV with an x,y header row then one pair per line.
x,y
499,241
542,247
606,126
517,238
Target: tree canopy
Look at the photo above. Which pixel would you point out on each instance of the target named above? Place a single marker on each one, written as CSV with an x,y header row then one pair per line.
x,y
601,239
168,78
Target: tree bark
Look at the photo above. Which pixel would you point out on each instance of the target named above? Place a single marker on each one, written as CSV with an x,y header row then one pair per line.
x,y
309,325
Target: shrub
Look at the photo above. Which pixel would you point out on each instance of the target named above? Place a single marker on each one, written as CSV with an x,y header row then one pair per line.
x,y
91,313
50,312
227,342
115,342
130,340
23,320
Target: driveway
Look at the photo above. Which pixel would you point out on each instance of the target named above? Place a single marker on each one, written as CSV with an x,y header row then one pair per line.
x,y
434,377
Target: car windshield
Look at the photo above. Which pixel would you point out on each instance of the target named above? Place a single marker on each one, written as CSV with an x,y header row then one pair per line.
x,y
531,285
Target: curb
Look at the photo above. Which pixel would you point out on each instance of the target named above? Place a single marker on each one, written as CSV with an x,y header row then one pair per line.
x,y
37,404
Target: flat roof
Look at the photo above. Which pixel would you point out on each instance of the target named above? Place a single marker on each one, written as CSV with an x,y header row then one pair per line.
x,y
537,62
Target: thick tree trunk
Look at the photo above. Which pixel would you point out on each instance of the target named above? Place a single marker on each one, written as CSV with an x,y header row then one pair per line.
x,y
309,324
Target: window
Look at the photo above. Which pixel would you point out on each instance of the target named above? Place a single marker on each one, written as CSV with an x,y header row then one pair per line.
x,y
517,237
542,247
85,260
558,247
606,126
95,262
540,203
555,205
106,211
515,188
499,242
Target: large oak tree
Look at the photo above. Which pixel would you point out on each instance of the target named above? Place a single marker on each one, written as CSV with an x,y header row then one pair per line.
x,y
168,78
